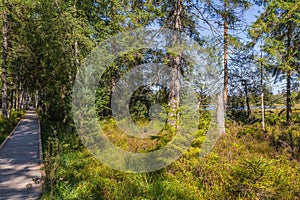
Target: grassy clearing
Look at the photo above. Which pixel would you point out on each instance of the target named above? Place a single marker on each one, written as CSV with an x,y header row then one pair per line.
x,y
246,163
7,125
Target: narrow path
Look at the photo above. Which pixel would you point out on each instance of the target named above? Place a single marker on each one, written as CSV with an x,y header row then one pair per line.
x,y
20,161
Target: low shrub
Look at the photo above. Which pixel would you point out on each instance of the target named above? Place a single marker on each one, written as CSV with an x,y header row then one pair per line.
x,y
243,165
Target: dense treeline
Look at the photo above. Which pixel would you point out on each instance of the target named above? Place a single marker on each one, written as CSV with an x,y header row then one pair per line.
x,y
44,43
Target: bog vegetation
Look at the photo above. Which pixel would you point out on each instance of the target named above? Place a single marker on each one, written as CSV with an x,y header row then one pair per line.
x,y
257,156
7,125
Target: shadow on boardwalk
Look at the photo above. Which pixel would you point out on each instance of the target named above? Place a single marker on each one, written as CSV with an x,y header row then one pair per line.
x,y
20,161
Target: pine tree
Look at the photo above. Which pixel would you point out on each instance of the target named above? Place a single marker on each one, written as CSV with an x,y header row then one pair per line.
x,y
228,15
279,27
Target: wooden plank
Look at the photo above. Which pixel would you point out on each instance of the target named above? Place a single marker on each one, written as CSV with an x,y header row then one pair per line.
x,y
21,160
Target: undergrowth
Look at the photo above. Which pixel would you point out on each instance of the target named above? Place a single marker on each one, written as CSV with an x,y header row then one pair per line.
x,y
246,163
8,124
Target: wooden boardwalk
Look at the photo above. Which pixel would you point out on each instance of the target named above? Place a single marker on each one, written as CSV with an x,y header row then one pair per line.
x,y
20,161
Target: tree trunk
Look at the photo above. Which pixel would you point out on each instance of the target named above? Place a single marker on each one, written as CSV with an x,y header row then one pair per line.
x,y
13,102
21,100
288,75
113,83
262,112
247,101
226,41
244,83
17,98
4,66
76,48
37,99
288,99
225,92
262,96
174,95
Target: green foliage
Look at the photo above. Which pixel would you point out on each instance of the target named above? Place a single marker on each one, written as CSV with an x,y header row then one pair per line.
x,y
285,138
243,165
8,124
48,40
278,27
260,178
143,97
250,179
247,167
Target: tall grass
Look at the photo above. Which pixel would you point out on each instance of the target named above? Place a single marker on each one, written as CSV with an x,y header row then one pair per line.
x,y
244,164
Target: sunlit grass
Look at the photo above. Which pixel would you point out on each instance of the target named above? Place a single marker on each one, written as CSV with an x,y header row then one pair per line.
x,y
245,163
7,125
